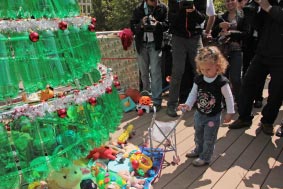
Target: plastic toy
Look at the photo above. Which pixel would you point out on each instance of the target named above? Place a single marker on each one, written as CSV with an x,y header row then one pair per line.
x,y
122,139
131,180
103,152
37,185
134,94
66,178
88,184
144,104
140,162
109,179
47,93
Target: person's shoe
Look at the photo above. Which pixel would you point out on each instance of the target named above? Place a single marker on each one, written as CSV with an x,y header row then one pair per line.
x,y
279,131
238,124
199,162
267,128
192,154
171,112
157,108
258,104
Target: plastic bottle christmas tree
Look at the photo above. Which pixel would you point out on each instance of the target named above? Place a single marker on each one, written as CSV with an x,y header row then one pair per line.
x,y
46,42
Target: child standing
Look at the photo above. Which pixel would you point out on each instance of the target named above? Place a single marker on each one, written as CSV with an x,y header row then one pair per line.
x,y
208,90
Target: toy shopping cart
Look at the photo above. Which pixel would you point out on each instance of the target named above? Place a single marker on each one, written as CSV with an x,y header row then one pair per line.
x,y
163,135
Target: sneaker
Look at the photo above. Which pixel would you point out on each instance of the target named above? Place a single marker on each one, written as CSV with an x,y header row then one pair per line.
x,y
279,131
199,162
157,108
171,112
267,128
258,104
192,154
238,124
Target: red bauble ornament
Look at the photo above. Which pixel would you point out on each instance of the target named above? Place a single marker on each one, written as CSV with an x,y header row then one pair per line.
x,y
62,113
115,77
168,79
8,128
108,90
116,83
33,36
91,27
92,101
63,25
93,21
140,112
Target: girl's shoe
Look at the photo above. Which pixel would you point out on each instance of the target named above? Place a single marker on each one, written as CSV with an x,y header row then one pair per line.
x,y
199,162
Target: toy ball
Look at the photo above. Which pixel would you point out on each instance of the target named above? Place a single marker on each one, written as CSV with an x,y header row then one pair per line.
x,y
134,94
88,184
140,112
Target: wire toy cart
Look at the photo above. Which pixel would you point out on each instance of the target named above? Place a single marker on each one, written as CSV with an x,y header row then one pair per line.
x,y
163,135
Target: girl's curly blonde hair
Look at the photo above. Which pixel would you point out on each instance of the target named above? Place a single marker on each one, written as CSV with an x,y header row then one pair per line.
x,y
211,55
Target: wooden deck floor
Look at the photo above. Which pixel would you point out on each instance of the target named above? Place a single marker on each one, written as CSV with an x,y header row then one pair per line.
x,y
244,158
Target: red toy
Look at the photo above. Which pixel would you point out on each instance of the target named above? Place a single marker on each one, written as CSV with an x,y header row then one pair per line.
x,y
103,152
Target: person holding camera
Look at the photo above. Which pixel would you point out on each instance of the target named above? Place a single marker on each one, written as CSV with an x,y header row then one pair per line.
x,y
148,22
268,59
185,18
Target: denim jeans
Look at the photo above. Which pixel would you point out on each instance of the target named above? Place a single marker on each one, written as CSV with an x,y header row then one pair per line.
x,y
149,62
181,48
206,129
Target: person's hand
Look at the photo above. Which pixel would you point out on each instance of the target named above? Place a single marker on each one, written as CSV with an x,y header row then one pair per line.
x,y
144,20
264,4
183,107
224,25
225,33
227,118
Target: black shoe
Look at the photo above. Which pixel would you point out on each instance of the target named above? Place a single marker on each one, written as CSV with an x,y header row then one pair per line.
x,y
157,108
171,112
267,128
258,104
238,124
279,132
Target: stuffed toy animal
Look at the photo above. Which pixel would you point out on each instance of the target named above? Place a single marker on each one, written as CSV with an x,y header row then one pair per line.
x,y
66,178
103,152
131,180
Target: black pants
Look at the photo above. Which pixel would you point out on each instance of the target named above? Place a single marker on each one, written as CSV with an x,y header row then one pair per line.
x,y
258,70
186,82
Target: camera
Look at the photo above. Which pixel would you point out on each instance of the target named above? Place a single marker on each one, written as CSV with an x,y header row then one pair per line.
x,y
186,4
149,25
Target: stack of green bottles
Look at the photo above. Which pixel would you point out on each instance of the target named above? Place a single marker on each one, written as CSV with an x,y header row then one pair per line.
x,y
58,58
15,9
45,140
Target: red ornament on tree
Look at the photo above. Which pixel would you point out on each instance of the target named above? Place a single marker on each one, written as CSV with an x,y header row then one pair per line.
x,y
63,25
93,21
115,77
91,27
108,90
92,101
116,84
62,113
33,36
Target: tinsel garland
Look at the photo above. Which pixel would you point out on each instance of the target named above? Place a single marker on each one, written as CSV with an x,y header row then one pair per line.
x,y
77,97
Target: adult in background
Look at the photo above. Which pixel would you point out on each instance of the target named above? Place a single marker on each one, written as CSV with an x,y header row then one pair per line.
x,y
188,77
148,22
249,44
268,60
185,20
232,29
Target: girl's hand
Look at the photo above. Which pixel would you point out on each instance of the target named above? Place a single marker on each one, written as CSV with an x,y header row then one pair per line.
x,y
228,118
184,107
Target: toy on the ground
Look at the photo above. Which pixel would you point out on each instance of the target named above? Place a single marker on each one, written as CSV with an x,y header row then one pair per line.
x,y
122,139
47,93
140,162
103,152
88,184
108,179
66,178
144,104
37,185
131,180
134,94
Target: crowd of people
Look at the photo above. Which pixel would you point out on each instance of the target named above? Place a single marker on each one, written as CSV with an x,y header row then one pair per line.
x,y
216,58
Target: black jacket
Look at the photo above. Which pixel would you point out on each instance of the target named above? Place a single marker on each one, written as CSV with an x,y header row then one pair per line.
x,y
160,13
180,23
243,27
270,26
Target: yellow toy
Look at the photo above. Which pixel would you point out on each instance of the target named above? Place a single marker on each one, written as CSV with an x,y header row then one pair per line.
x,y
141,161
122,139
